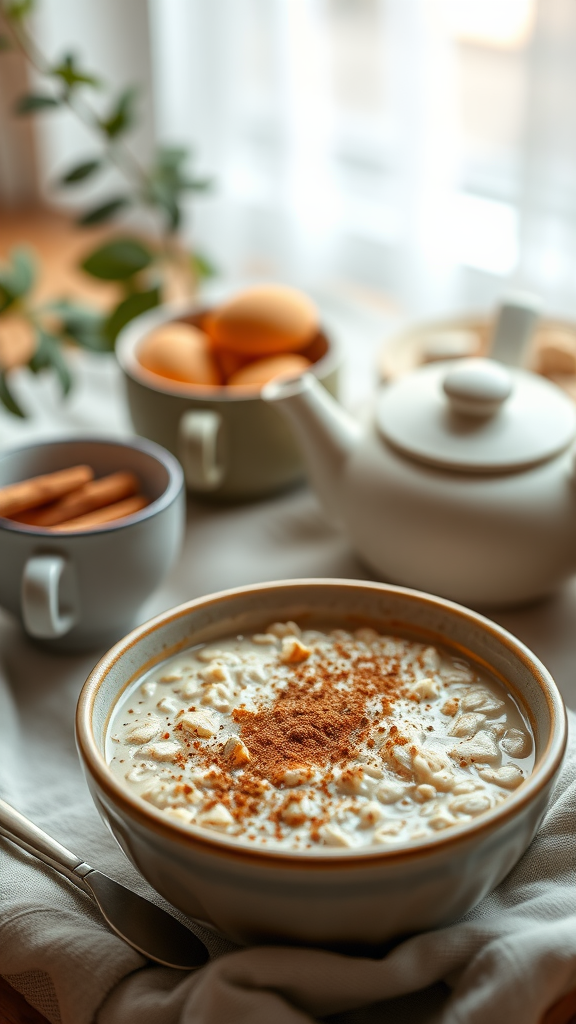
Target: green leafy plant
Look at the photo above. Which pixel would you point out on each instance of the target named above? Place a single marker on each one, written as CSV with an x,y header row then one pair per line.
x,y
142,268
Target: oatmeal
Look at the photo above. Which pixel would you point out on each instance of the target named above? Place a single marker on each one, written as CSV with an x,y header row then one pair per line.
x,y
301,739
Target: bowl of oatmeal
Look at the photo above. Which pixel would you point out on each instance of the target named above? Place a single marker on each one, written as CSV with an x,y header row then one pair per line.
x,y
321,761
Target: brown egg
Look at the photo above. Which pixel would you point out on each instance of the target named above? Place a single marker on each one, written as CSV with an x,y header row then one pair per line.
x,y
265,321
180,352
258,373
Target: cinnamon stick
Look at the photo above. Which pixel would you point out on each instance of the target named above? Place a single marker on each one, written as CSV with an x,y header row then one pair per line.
x,y
39,490
94,495
104,515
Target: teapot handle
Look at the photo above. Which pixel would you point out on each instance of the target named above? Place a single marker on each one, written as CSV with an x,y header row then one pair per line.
x,y
515,324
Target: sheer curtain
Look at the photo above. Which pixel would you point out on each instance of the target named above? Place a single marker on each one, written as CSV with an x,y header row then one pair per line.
x,y
421,148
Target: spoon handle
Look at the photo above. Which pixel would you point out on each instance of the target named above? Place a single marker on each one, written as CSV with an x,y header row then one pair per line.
x,y
24,833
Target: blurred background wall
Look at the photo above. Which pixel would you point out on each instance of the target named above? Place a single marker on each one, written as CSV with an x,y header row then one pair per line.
x,y
422,149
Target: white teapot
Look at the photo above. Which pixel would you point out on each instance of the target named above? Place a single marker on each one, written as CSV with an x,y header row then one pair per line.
x,y
463,485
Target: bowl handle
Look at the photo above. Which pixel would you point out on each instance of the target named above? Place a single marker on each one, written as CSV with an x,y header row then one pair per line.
x,y
48,596
199,444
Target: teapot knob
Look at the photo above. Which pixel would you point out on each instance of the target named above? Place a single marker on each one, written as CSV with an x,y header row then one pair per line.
x,y
478,387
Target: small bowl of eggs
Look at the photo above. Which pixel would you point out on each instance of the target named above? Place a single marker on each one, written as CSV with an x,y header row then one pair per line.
x,y
194,378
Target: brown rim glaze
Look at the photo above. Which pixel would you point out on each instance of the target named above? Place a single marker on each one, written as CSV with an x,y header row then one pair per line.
x,y
190,836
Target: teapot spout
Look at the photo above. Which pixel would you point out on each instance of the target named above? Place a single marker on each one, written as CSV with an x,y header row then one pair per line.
x,y
325,431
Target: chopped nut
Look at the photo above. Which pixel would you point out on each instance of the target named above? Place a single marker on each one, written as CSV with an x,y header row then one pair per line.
x,y
370,814
216,817
139,773
199,723
471,804
331,835
168,704
481,700
441,821
296,811
481,747
425,689
389,831
295,776
264,638
450,707
424,792
430,768
366,635
509,776
180,814
467,786
467,725
284,629
190,689
143,732
214,654
171,676
237,751
353,781
293,651
457,673
216,673
163,750
148,689
391,792
217,697
516,743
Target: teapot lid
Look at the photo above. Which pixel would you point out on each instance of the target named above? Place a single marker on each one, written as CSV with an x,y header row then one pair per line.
x,y
476,415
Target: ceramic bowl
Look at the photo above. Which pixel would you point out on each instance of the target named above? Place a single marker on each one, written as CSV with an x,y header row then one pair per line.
x,y
323,896
81,591
232,445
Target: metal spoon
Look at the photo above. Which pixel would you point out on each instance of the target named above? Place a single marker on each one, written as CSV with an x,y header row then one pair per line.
x,y
144,926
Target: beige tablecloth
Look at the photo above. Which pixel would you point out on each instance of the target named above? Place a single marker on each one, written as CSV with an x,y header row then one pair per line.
x,y
511,958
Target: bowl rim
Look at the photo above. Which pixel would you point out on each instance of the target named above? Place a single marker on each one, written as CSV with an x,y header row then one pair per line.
x,y
195,837
131,335
169,495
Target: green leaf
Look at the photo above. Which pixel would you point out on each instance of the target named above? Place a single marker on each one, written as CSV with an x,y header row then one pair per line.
x,y
81,171
164,196
7,398
69,72
117,260
17,278
5,43
48,356
19,9
122,115
33,103
83,326
99,214
198,184
202,267
129,308
171,156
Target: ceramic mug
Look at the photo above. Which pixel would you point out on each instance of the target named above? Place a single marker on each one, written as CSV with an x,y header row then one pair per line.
x,y
79,591
231,445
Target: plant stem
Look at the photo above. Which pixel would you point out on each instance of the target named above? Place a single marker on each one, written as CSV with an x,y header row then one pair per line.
x,y
122,157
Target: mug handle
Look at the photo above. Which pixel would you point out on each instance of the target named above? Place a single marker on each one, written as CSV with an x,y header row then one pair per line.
x,y
198,435
41,597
